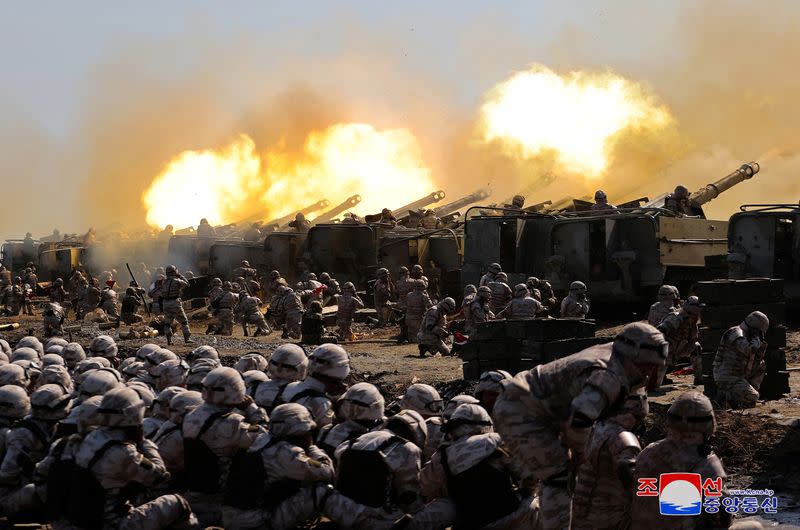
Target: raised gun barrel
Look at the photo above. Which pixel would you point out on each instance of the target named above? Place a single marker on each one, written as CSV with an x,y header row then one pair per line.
x,y
541,182
451,207
283,221
328,216
431,198
712,191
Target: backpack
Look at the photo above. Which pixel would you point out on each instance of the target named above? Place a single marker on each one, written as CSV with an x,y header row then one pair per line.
x,y
86,497
246,475
203,472
365,477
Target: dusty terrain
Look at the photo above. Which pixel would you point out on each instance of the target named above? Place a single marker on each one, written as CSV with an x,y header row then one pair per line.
x,y
760,447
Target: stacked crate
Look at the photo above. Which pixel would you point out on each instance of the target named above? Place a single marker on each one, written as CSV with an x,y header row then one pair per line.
x,y
516,345
728,302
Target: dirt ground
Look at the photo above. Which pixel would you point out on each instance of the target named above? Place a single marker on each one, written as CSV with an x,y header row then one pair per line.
x,y
759,447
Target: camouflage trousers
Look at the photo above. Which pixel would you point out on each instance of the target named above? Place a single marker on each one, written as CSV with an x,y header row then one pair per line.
x,y
258,320
110,308
225,322
52,326
736,393
434,343
534,439
131,318
345,328
293,321
292,512
347,513
173,310
167,511
413,325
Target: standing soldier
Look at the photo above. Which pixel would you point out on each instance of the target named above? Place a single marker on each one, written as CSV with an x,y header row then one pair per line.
x,y
479,309
300,223
522,305
223,306
384,291
492,272
576,303
604,481
170,301
433,331
417,303
13,297
678,201
58,294
664,306
501,293
403,286
418,274
287,310
348,303
739,364
681,331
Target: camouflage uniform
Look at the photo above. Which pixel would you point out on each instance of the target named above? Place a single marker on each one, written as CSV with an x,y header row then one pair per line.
x,y
478,312
739,368
417,303
402,287
289,307
250,313
332,436
53,318
574,307
130,306
223,305
501,295
348,304
311,394
91,299
659,311
12,298
384,289
26,444
170,297
433,331
108,302
681,331
523,305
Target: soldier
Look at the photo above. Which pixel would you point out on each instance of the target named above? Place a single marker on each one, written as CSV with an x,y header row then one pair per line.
x,y
53,319
274,283
501,293
604,483
681,331
678,201
169,438
434,272
472,480
403,286
348,303
287,364
166,234
387,217
212,434
130,307
361,409
332,287
522,305
545,413
280,482
418,274
91,297
491,273
576,303
222,307
300,223
549,300
429,221
170,301
690,424
426,401
159,410
328,368
601,202
489,388
13,297
517,203
249,312
663,307
384,292
58,294
114,457
245,270
377,475
433,331
105,347
287,310
108,300
739,364
417,304
205,230
532,283
312,327
253,233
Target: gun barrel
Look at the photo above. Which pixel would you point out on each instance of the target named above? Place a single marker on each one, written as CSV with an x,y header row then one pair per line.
x,y
431,198
451,207
712,191
282,221
336,210
541,182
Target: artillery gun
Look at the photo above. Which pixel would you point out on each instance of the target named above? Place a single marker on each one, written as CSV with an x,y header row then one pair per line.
x,y
429,199
478,195
286,219
330,215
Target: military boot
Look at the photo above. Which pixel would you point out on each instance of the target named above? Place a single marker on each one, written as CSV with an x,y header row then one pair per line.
x,y
187,338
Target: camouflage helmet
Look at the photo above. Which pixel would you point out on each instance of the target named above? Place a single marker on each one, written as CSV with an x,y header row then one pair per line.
x,y
402,271
324,277
157,357
182,404
290,419
199,370
518,201
121,407
641,343
50,402
216,282
5,347
329,360
55,341
14,374
14,402
288,362
484,292
73,354
84,415
51,358
757,320
600,195
55,375
692,412
245,263
223,386
490,381
103,346
468,420
348,287
274,275
501,277
382,273
521,290
470,289
693,306
419,286
98,382
203,352
31,342
252,379
448,305
495,268
636,404
666,292
146,350
250,361
423,399
145,392
409,425
362,402
416,269
681,192
24,353
455,401
171,372
311,277
576,286
161,403
171,269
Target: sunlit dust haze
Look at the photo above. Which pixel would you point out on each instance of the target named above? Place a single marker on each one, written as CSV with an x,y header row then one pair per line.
x,y
383,166
576,116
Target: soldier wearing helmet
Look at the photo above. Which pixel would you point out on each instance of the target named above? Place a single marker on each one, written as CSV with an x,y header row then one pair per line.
x,y
471,479
273,283
384,291
429,221
403,286
576,303
108,300
222,305
169,439
14,405
681,330
159,410
328,368
479,310
522,305
170,301
212,435
664,306
13,297
690,424
58,294
491,273
365,466
286,309
679,201
280,482
418,302
489,387
433,332
287,364
739,364
501,293
116,456
601,202
300,223
249,312
417,273
561,400
53,318
348,303
360,409
517,203
131,301
604,479
426,401
104,346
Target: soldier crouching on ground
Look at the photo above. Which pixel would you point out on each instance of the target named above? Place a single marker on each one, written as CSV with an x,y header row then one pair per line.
x,y
739,364
433,332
